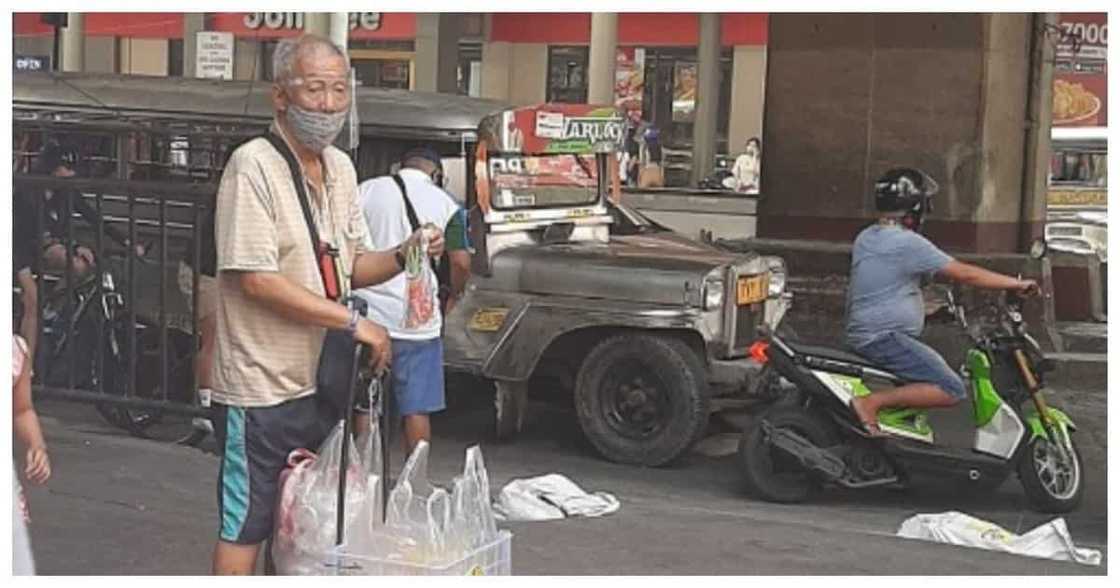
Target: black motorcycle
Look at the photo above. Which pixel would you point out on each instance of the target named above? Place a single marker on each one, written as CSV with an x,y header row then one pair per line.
x,y
91,326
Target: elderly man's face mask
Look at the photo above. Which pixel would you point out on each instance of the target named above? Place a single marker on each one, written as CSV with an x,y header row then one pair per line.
x,y
317,109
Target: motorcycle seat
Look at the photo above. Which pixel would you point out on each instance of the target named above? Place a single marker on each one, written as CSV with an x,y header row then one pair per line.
x,y
830,353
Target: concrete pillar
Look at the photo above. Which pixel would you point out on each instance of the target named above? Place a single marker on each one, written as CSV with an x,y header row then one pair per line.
x,y
317,23
528,73
707,98
601,58
193,23
495,69
247,61
100,55
437,52
339,27
73,42
1040,98
849,96
748,93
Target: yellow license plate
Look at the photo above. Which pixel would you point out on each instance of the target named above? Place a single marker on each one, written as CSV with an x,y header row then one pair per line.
x,y
488,320
752,289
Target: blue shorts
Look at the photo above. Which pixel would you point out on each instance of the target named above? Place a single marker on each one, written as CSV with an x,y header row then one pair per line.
x,y
417,370
913,361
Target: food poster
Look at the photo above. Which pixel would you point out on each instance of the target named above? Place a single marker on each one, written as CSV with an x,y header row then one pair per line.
x,y
1081,71
630,78
684,92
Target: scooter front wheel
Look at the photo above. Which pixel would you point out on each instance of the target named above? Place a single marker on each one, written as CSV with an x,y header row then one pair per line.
x,y
769,472
1053,484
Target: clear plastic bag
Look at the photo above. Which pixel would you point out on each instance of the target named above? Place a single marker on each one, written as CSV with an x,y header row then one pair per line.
x,y
425,524
419,293
307,513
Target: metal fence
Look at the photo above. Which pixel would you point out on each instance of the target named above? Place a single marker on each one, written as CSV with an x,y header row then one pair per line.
x,y
117,333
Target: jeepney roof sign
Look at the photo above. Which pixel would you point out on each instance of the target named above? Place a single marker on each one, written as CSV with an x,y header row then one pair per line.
x,y
555,129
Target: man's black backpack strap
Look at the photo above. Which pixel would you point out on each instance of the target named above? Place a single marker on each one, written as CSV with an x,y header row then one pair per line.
x,y
301,189
337,359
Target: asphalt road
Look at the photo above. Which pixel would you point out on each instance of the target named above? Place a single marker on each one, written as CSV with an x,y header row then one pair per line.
x,y
118,505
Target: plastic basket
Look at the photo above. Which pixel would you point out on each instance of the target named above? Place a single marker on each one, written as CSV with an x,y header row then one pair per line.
x,y
489,560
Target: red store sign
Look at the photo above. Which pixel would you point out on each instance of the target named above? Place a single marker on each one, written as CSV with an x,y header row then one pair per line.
x,y
269,25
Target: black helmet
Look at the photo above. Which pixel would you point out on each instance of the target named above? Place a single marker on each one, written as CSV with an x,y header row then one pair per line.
x,y
905,189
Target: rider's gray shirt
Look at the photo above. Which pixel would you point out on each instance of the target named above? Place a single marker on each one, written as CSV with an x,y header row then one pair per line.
x,y
884,289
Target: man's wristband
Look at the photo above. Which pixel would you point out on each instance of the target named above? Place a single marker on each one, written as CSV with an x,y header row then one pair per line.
x,y
352,326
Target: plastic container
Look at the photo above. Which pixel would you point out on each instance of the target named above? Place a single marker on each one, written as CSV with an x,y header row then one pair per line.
x,y
489,560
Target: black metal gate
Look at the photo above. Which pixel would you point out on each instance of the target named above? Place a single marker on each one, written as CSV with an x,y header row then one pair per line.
x,y
113,328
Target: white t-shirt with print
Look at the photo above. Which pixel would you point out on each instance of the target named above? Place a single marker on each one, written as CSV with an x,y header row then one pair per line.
x,y
387,219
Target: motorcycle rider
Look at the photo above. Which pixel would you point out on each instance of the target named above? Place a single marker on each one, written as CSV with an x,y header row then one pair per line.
x,y
885,309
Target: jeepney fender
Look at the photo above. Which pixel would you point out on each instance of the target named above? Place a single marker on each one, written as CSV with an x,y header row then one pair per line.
x,y
534,323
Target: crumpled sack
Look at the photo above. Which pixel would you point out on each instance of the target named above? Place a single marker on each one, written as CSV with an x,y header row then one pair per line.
x,y
1049,541
551,497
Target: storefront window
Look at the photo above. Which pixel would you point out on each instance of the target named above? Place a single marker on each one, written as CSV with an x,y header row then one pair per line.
x,y
1079,168
469,72
567,74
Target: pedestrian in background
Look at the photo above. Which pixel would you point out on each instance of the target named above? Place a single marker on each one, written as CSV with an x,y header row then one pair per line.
x,y
36,462
394,207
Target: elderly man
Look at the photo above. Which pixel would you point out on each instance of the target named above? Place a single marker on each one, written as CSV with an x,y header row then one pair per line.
x,y
273,307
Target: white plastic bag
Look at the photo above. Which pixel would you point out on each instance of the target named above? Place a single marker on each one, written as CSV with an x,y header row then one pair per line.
x,y
551,497
306,513
1049,541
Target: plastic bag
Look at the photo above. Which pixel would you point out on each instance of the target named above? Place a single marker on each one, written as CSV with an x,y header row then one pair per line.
x,y
425,524
1050,540
420,295
551,497
307,514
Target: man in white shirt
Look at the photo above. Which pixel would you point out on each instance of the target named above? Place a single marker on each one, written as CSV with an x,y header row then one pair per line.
x,y
414,325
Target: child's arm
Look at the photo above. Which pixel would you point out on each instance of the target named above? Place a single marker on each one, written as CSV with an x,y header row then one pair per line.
x,y
25,424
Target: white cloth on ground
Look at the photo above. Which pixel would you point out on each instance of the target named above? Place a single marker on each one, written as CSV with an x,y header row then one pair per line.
x,y
1049,541
551,497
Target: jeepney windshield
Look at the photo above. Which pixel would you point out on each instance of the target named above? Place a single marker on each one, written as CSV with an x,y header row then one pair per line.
x,y
543,181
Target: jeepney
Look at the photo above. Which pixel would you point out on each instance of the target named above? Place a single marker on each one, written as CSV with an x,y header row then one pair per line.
x,y
647,330
653,328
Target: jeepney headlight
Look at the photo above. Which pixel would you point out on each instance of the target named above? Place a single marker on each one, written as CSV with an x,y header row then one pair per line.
x,y
777,269
713,293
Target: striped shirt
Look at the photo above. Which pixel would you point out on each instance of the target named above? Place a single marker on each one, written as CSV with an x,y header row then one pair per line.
x,y
261,357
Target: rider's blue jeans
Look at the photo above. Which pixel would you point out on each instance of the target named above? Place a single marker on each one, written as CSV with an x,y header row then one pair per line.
x,y
913,361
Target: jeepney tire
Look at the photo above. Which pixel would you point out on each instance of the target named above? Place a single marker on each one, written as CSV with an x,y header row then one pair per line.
x,y
674,368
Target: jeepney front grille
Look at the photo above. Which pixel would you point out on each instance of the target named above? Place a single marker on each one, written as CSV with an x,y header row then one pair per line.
x,y
742,320
747,320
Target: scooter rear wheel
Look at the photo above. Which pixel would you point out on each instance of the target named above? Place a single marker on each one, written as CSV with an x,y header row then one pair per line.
x,y
769,472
